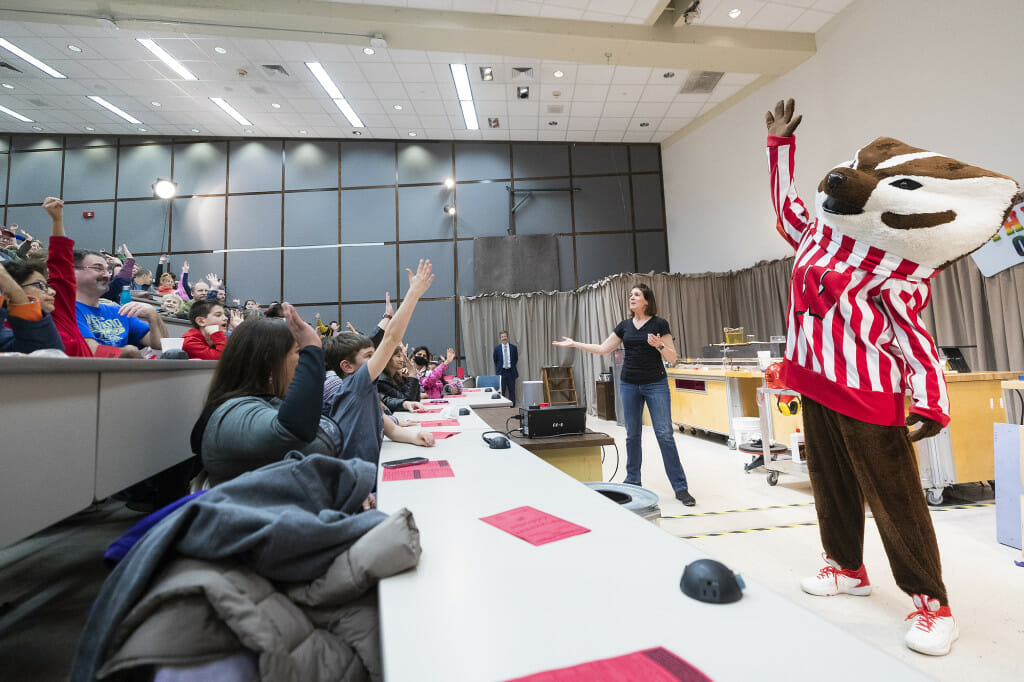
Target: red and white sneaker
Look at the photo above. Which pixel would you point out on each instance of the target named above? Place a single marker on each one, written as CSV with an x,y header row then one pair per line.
x,y
933,629
833,579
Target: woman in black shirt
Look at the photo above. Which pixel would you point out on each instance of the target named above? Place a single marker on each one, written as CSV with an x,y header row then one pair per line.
x,y
648,344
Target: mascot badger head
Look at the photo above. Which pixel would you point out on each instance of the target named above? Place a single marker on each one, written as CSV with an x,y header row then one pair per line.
x,y
919,205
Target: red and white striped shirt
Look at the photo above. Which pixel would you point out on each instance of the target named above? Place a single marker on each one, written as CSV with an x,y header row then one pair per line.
x,y
855,340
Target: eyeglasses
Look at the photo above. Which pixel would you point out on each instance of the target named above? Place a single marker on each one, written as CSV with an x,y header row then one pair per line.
x,y
42,286
95,268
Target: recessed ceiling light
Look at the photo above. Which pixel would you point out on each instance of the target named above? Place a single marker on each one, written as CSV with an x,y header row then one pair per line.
x,y
357,132
7,85
733,13
559,73
220,50
110,107
155,103
167,59
143,130
412,134
669,74
195,130
397,107
303,132
368,51
89,128
644,124
486,73
15,114
74,48
275,105
49,70
230,111
248,131
552,123
36,128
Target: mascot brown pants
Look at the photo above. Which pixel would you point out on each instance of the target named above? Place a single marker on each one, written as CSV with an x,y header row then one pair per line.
x,y
851,462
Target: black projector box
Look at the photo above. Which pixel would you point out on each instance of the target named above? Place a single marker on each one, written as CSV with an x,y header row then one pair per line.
x,y
539,422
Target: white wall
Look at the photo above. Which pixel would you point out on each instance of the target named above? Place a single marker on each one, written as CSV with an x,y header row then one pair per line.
x,y
943,75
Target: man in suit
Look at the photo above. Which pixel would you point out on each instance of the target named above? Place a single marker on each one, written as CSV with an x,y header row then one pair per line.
x,y
506,356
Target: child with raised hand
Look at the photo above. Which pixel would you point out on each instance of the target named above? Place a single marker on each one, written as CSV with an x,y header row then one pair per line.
x,y
60,264
433,382
350,396
208,336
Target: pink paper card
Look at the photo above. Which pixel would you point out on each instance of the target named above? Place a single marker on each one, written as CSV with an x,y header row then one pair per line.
x,y
534,526
432,469
652,665
441,435
440,422
472,390
429,410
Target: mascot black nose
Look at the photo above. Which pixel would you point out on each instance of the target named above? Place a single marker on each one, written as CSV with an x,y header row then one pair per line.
x,y
834,180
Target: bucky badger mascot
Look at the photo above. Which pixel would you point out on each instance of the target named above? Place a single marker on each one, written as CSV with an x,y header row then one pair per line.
x,y
887,222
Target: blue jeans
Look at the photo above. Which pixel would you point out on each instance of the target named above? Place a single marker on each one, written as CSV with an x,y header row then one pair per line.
x,y
656,396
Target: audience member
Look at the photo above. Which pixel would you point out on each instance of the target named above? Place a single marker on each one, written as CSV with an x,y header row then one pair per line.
x,y
432,382
208,336
132,325
350,396
142,280
251,304
171,305
26,304
61,265
398,391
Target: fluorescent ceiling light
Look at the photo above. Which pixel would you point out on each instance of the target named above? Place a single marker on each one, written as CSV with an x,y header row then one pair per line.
x,y
461,77
734,13
231,111
349,113
7,45
15,114
469,115
317,69
110,107
167,59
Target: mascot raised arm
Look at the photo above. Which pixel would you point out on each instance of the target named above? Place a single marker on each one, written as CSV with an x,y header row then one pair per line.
x,y
887,222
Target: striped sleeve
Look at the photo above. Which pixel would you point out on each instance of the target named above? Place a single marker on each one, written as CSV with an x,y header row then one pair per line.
x,y
922,372
791,211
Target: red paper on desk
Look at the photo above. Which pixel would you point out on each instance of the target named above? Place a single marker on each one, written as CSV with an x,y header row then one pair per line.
x,y
652,665
534,526
441,435
471,390
429,410
440,422
433,469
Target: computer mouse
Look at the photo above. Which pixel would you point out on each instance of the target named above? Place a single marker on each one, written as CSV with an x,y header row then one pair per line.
x,y
495,396
174,354
711,581
498,443
463,411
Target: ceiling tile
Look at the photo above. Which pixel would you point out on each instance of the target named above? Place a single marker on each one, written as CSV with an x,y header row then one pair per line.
x,y
589,93
625,93
659,93
380,73
616,109
651,109
811,21
775,17
631,75
594,73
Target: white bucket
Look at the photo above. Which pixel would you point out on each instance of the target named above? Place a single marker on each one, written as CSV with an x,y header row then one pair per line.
x,y
745,429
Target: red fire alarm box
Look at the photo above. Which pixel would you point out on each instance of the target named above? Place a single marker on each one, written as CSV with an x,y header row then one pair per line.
x,y
88,214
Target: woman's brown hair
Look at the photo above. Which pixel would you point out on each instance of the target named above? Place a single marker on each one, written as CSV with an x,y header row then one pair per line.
x,y
652,307
252,362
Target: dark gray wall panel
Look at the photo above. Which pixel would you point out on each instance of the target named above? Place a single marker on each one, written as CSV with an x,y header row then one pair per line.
x,y
433,326
200,167
482,209
89,233
421,213
5,159
442,258
367,272
515,264
34,176
139,168
601,255
540,160
311,218
90,173
645,157
254,221
544,212
327,313
365,164
566,265
34,219
310,165
424,162
202,264
482,161
24,142
255,274
648,203
368,215
464,257
144,225
599,158
311,275
197,224
254,166
363,316
603,204
651,253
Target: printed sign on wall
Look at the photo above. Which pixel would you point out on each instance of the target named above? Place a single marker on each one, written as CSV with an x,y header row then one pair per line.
x,y
1006,248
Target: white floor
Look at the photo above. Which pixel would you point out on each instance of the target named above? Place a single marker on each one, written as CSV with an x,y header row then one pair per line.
x,y
986,588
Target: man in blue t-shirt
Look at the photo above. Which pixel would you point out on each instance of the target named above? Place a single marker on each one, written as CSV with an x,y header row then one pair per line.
x,y
131,325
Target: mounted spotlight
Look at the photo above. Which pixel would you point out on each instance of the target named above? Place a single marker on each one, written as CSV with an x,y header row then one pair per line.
x,y
448,183
165,189
450,210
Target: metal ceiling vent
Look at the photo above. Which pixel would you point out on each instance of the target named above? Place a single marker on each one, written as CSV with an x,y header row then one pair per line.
x,y
275,70
522,73
701,82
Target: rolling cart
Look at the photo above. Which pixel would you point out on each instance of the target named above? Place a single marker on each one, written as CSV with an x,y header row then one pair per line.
x,y
774,463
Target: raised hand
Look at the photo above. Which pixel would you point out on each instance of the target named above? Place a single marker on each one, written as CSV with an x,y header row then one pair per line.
x,y
421,280
781,122
303,334
54,207
213,280
388,308
126,252
351,328
566,342
184,266
236,318
163,257
450,356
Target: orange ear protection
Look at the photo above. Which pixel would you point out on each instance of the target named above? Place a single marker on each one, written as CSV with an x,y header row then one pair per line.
x,y
788,404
